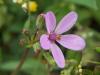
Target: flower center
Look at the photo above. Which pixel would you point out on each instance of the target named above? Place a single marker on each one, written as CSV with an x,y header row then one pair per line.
x,y
54,37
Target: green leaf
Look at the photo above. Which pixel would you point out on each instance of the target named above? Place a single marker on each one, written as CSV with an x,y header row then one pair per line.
x,y
74,55
88,3
40,21
36,46
27,24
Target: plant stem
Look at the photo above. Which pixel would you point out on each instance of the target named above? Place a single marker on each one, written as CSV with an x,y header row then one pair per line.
x,y
23,58
94,62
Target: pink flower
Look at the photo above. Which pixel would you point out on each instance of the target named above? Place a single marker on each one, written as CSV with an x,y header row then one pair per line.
x,y
70,41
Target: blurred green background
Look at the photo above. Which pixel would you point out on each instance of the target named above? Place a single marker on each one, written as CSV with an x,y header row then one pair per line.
x,y
12,21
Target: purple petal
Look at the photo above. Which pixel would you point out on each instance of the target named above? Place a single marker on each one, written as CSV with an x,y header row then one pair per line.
x,y
72,42
66,23
57,55
44,41
50,21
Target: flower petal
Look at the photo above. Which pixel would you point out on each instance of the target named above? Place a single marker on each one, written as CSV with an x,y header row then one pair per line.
x,y
72,42
57,55
66,23
50,21
44,41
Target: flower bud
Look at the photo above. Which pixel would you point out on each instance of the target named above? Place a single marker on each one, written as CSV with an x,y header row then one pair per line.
x,y
40,21
31,6
18,1
25,31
